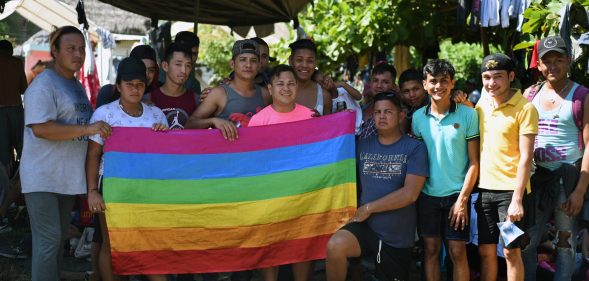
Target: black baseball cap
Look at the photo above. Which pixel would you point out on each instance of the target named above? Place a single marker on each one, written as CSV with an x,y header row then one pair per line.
x,y
130,69
550,44
143,52
187,38
497,62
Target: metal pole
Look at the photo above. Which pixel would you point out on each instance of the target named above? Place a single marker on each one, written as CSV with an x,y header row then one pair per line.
x,y
196,12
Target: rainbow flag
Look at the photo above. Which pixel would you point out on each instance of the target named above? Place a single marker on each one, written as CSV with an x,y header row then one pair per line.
x,y
191,202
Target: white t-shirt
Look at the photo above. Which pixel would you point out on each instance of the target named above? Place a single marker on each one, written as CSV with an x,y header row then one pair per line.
x,y
113,115
344,96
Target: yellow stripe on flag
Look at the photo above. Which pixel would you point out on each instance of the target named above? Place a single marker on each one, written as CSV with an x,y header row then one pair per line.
x,y
123,215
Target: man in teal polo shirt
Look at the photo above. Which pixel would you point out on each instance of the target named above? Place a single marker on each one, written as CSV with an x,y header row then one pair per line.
x,y
450,132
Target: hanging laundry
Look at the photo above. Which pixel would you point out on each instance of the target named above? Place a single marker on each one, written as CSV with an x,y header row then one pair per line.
x,y
106,38
88,73
490,12
506,6
520,7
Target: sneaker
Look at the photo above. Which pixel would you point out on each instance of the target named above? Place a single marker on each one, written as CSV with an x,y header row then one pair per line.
x,y
5,226
13,253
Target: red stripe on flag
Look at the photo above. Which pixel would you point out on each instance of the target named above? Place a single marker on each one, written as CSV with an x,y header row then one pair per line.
x,y
220,260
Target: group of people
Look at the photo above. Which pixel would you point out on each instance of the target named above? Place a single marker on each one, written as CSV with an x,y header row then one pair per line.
x,y
422,149
425,182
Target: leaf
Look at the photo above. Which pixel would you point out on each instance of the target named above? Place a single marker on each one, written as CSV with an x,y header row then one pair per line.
x,y
531,26
523,45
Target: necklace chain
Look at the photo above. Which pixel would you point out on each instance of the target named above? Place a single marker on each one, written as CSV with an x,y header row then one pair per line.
x,y
139,112
553,100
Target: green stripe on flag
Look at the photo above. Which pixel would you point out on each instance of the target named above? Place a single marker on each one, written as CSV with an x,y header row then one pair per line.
x,y
228,190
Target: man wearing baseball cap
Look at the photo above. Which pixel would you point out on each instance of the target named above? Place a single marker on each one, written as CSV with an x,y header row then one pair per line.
x,y
562,174
508,125
232,104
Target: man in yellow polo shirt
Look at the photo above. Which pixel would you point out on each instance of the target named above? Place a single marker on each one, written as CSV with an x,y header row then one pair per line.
x,y
508,125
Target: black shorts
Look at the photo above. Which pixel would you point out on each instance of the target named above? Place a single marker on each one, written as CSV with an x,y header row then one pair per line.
x,y
491,207
391,263
432,217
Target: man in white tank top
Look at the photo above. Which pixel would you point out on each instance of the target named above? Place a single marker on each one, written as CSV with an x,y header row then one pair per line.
x,y
558,184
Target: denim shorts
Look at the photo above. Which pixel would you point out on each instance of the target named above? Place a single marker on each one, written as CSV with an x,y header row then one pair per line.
x,y
432,217
491,207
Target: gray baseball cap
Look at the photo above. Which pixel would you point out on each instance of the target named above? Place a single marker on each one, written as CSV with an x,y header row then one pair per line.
x,y
552,43
245,46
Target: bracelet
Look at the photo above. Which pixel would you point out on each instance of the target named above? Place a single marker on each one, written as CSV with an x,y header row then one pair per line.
x,y
92,189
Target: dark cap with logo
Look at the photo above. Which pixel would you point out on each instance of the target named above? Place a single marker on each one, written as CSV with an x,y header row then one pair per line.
x,y
246,46
497,62
552,43
130,69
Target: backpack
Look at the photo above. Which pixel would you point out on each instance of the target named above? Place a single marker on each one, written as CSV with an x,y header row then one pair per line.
x,y
578,102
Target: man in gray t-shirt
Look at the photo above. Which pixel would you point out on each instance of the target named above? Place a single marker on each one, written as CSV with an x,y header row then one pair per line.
x,y
54,152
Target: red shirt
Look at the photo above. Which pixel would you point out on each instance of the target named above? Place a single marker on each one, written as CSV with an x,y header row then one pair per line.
x,y
176,109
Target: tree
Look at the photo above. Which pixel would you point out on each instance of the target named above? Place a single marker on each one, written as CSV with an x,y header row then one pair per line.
x,y
215,50
344,28
465,57
543,20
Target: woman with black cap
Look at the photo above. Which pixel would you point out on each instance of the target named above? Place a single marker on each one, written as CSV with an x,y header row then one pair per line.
x,y
127,111
108,93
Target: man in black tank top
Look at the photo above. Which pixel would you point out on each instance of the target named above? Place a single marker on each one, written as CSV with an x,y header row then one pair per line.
x,y
231,105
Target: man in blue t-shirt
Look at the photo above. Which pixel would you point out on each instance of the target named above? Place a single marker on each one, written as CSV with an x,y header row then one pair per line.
x,y
450,132
392,170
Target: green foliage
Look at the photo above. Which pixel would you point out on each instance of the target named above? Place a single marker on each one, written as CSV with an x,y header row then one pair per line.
x,y
543,20
345,27
4,29
280,49
215,50
466,58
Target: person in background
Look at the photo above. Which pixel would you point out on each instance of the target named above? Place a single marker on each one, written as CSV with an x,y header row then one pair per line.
x,y
176,101
343,96
192,42
109,93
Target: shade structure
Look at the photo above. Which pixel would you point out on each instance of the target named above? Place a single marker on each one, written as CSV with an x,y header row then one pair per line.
x,y
218,12
191,202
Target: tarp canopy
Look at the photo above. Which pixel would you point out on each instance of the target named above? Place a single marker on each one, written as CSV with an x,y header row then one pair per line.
x,y
46,14
219,12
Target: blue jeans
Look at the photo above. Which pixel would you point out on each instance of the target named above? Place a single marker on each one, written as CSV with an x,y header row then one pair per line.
x,y
50,215
565,257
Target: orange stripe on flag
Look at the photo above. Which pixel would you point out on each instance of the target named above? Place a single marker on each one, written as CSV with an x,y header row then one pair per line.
x,y
181,239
